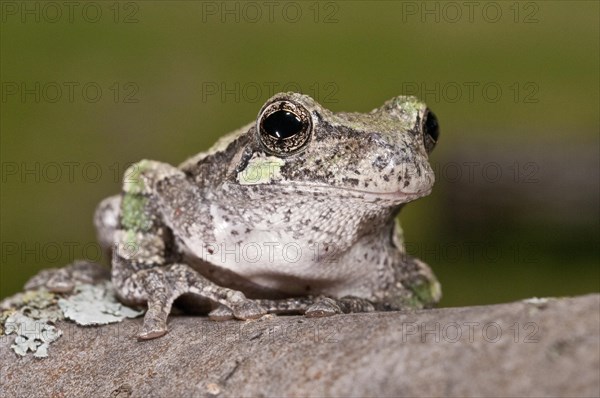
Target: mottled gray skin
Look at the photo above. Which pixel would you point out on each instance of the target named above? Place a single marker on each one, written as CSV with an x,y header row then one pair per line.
x,y
245,229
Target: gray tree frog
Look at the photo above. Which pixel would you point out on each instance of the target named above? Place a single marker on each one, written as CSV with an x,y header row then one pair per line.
x,y
293,213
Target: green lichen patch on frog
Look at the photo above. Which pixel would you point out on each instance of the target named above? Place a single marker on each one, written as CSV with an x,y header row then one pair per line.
x,y
134,217
95,305
427,292
261,170
132,180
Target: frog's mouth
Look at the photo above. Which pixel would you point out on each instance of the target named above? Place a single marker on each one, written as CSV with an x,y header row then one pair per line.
x,y
396,197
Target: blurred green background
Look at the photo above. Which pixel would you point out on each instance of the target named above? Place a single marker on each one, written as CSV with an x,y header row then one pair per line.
x,y
89,88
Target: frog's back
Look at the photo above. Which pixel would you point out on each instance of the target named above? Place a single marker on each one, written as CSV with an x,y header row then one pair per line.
x,y
222,145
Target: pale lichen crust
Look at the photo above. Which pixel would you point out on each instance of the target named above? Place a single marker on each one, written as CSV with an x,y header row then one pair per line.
x,y
31,316
95,305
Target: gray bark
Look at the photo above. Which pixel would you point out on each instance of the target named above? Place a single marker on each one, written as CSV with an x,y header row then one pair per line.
x,y
529,348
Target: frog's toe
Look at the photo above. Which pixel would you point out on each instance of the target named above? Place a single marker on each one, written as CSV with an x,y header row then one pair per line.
x,y
249,310
159,307
61,281
322,308
221,313
152,332
56,280
40,279
350,304
153,327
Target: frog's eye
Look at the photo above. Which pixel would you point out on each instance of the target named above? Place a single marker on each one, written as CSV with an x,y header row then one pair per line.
x,y
431,131
284,127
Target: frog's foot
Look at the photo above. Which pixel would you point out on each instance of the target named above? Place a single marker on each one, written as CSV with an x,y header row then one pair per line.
x,y
160,297
221,313
63,280
160,286
326,306
155,320
323,307
352,304
317,306
245,310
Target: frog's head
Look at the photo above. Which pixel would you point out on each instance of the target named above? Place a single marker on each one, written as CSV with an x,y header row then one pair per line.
x,y
380,155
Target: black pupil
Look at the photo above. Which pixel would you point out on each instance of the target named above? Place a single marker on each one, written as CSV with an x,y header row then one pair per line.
x,y
282,124
431,126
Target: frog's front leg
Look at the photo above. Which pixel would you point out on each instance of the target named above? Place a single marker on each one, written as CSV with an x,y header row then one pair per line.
x,y
146,265
160,286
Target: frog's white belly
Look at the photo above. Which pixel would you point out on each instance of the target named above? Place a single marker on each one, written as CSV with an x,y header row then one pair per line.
x,y
272,258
